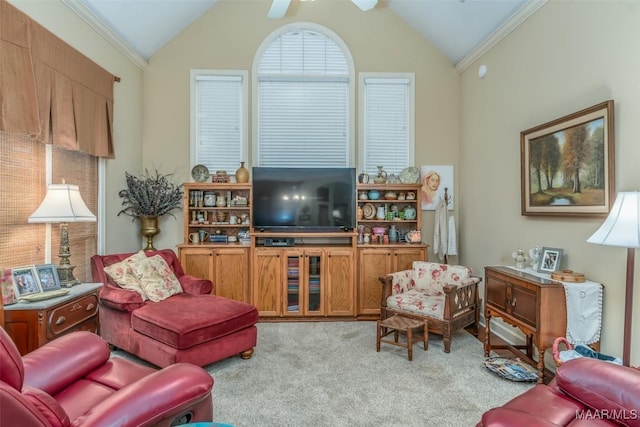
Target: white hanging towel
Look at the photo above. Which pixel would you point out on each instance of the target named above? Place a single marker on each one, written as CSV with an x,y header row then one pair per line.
x,y
452,245
440,231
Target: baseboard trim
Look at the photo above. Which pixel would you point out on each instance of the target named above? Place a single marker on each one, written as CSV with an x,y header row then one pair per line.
x,y
508,333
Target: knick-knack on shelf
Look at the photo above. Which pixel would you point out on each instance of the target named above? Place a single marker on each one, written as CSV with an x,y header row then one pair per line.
x,y
381,178
242,174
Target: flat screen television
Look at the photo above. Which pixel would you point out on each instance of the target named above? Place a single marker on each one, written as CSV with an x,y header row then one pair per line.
x,y
304,199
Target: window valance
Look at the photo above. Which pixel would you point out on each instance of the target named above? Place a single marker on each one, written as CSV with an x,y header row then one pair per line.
x,y
50,91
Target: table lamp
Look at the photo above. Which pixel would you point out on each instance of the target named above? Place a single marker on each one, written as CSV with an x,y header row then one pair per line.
x,y
63,203
622,228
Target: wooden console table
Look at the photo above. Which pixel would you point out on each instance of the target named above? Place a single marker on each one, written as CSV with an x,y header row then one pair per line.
x,y
32,324
535,305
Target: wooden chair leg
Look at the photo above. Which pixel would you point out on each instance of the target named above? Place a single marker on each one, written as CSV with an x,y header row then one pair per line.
x,y
410,343
425,336
378,333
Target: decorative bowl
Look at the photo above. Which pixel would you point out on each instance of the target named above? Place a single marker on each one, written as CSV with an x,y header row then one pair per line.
x,y
374,194
378,230
390,195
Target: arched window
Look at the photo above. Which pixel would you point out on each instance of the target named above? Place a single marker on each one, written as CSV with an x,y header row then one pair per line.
x,y
303,99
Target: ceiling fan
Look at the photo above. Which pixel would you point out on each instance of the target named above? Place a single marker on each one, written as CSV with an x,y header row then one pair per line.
x,y
279,7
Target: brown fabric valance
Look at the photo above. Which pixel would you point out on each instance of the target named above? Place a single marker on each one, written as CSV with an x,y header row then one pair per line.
x,y
51,91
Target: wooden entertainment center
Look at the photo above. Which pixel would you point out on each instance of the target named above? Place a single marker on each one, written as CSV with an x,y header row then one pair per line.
x,y
305,276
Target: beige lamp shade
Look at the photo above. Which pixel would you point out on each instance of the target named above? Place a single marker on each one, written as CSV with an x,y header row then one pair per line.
x,y
62,203
622,226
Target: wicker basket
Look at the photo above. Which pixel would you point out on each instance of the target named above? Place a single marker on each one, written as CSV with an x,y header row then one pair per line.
x,y
556,351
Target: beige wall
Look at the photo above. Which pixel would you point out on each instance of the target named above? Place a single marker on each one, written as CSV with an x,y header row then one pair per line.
x,y
68,26
228,36
568,56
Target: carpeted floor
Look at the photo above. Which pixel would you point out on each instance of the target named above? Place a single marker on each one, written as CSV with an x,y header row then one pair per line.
x,y
329,374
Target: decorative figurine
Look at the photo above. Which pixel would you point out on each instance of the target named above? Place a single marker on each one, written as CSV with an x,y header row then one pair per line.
x,y
520,259
534,256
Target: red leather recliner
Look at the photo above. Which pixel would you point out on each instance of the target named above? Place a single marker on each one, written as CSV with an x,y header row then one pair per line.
x,y
585,392
194,326
72,381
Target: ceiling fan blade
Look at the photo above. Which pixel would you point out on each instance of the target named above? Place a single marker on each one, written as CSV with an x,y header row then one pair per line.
x,y
365,4
279,8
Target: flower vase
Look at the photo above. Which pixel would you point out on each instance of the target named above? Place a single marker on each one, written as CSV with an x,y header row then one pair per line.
x,y
148,229
242,174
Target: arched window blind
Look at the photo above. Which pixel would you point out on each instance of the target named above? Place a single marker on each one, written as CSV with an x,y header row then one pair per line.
x,y
303,106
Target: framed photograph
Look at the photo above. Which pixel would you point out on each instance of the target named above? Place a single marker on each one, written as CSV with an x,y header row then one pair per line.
x,y
550,260
48,277
567,165
6,287
25,281
434,180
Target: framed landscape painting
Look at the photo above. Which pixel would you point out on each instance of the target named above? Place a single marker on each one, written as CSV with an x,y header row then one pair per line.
x,y
567,165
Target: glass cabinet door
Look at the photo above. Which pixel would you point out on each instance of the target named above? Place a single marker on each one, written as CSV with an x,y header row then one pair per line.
x,y
293,300
313,272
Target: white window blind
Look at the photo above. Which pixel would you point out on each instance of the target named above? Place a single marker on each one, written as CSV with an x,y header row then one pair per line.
x,y
303,106
387,123
219,121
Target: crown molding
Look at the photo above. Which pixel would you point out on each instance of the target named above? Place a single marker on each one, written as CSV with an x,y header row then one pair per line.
x,y
94,22
528,9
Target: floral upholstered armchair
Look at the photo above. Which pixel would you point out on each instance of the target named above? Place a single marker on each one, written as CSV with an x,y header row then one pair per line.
x,y
445,296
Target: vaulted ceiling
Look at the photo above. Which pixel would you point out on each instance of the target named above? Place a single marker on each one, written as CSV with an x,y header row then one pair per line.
x,y
456,27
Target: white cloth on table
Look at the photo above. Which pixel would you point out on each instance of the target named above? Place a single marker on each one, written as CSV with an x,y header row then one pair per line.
x,y
584,309
584,302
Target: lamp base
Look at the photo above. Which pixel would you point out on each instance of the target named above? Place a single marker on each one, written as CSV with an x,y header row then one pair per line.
x,y
65,273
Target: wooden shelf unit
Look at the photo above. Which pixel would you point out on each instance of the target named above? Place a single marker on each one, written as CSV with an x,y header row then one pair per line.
x,y
379,259
324,275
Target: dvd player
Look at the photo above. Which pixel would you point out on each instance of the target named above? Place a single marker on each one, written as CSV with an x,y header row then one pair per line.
x,y
285,241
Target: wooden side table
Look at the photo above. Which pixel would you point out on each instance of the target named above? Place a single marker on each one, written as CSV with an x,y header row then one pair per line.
x,y
33,324
397,324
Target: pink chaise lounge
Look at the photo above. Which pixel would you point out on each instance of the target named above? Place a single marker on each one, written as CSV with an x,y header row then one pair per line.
x,y
193,326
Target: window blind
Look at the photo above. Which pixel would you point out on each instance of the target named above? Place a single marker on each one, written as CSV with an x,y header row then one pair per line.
x,y
23,171
303,105
387,132
219,122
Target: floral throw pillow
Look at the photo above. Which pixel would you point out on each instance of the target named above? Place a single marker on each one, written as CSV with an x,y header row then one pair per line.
x,y
431,277
157,279
124,275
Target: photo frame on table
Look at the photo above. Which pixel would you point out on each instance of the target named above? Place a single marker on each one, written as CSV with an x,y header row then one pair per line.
x,y
568,164
25,281
549,260
48,277
7,289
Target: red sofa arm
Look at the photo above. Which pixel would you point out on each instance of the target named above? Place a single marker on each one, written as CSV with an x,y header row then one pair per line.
x,y
73,355
120,299
195,286
603,386
163,394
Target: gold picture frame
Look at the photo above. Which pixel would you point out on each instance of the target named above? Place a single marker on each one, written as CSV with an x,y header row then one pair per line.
x,y
567,165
